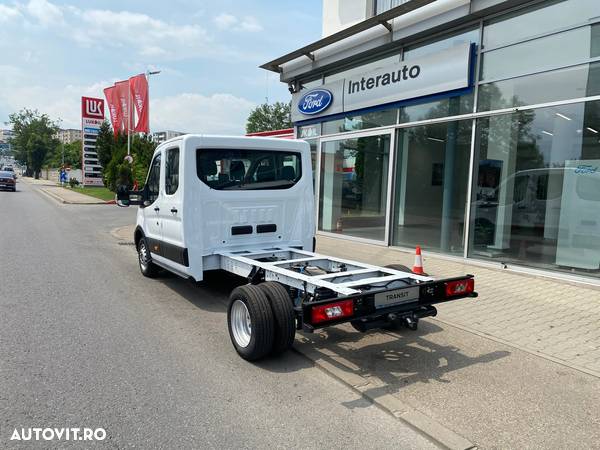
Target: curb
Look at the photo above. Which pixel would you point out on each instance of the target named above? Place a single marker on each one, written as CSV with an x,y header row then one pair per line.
x,y
426,426
62,200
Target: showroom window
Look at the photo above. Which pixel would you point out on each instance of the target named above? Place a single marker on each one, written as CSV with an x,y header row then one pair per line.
x,y
445,107
534,198
363,121
432,166
353,186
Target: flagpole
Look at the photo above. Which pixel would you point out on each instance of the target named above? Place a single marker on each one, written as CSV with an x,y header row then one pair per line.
x,y
148,73
128,118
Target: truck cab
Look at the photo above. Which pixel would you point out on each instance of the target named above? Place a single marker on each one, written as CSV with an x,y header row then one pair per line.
x,y
208,194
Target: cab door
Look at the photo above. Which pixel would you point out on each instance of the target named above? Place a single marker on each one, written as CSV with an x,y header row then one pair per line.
x,y
171,209
152,206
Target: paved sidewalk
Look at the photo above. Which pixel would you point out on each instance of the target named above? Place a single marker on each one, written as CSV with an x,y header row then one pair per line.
x,y
549,318
40,182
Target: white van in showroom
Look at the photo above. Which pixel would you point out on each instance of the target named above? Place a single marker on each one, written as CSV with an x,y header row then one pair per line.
x,y
246,205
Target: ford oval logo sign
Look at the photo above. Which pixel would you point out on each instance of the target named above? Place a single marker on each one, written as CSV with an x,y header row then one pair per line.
x,y
315,101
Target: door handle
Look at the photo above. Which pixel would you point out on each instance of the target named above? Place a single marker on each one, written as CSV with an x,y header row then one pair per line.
x,y
174,210
156,208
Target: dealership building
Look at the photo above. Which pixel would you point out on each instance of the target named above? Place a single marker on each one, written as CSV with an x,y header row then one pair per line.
x,y
470,128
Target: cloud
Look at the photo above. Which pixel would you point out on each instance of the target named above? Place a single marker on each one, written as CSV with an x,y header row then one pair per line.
x,y
132,32
45,12
250,23
148,36
18,90
197,113
8,13
226,21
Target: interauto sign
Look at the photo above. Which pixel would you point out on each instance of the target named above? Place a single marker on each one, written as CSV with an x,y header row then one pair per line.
x,y
437,73
315,101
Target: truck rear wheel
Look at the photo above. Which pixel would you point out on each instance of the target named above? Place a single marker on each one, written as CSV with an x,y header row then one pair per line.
x,y
283,313
399,267
250,322
147,267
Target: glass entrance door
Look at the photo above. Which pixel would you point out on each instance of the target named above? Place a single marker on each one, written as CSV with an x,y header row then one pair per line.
x,y
353,187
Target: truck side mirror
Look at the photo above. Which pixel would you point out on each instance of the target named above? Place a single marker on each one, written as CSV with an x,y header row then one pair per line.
x,y
123,197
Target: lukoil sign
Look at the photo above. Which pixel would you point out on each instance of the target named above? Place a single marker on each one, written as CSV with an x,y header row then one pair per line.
x,y
92,107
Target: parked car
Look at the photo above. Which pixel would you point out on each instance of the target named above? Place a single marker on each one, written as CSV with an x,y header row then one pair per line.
x,y
8,180
10,169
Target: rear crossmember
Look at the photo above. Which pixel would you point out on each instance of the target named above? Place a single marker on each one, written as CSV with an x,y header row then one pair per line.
x,y
329,291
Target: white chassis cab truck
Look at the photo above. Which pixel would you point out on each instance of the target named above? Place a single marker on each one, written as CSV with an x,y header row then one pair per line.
x,y
246,205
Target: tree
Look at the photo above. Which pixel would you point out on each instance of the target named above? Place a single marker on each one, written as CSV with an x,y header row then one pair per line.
x,y
33,138
267,117
112,152
107,143
71,153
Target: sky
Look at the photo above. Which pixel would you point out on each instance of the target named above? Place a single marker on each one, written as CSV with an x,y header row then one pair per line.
x,y
208,52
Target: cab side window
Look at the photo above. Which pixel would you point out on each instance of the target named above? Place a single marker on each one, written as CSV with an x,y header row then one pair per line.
x,y
153,183
172,171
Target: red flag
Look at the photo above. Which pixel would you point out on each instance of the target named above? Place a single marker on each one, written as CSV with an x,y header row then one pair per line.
x,y
139,94
114,108
124,96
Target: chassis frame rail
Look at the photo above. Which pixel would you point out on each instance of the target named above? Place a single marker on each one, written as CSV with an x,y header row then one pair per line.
x,y
346,277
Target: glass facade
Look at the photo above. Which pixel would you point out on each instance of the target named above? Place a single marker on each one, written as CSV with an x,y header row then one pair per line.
x,y
546,17
353,188
471,36
539,54
536,193
512,186
432,164
361,121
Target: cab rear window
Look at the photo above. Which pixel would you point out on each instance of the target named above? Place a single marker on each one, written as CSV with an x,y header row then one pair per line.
x,y
231,169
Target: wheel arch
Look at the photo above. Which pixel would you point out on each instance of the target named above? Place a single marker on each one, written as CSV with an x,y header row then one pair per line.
x,y
138,234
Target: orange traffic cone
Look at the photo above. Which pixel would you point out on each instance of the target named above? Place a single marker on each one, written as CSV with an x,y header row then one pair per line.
x,y
418,267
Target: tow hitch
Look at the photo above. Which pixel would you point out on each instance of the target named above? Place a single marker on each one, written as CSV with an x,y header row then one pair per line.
x,y
408,320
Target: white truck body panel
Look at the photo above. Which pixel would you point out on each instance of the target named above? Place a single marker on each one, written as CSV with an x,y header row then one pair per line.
x,y
204,217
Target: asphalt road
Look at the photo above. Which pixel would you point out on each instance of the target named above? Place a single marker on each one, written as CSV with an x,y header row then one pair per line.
x,y
86,341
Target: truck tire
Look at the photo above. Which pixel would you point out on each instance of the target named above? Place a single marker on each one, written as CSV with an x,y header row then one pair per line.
x,y
250,322
147,267
398,267
283,314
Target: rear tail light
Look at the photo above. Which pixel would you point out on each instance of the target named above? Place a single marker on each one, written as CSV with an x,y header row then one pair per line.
x,y
332,311
460,287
